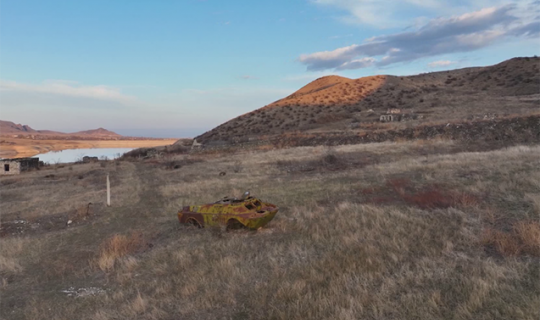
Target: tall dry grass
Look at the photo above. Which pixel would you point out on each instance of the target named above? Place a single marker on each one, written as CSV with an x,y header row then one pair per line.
x,y
116,247
10,255
330,253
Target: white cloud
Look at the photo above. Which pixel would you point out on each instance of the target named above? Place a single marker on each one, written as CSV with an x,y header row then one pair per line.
x,y
308,77
462,33
381,13
67,88
440,63
357,64
389,13
341,36
248,77
69,106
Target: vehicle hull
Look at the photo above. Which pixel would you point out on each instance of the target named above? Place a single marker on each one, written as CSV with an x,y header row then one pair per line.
x,y
251,213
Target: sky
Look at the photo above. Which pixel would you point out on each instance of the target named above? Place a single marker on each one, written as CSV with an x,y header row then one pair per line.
x,y
179,68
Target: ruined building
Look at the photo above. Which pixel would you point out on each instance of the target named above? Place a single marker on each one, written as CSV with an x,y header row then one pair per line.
x,y
18,165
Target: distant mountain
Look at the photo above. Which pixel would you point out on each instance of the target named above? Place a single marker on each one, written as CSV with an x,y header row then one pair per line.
x,y
10,128
334,104
97,132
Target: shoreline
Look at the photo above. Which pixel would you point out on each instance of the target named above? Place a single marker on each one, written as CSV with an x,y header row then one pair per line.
x,y
22,148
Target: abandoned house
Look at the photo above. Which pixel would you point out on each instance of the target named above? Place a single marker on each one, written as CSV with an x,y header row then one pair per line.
x,y
89,159
18,165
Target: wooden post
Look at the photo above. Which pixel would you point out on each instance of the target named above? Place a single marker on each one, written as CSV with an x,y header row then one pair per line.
x,y
108,192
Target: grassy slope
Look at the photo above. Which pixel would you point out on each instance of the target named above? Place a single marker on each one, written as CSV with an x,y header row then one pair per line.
x,y
389,230
336,104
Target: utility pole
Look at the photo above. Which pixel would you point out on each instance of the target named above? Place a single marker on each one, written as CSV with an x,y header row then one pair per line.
x,y
108,192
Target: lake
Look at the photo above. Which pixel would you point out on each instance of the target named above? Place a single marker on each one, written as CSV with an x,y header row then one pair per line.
x,y
73,155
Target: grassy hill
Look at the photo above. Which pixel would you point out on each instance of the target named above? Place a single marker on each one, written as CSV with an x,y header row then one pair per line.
x,y
338,104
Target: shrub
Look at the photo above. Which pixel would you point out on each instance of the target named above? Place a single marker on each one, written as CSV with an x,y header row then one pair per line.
x,y
118,246
523,239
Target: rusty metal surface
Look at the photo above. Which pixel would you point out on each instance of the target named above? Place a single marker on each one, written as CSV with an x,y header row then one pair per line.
x,y
251,213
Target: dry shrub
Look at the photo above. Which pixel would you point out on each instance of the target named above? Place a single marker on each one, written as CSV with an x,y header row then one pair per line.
x,y
433,196
465,200
523,239
534,198
118,246
81,212
503,242
139,304
9,265
10,254
528,233
237,167
430,199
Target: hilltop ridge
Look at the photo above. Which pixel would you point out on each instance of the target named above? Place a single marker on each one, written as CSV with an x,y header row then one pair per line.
x,y
10,128
338,104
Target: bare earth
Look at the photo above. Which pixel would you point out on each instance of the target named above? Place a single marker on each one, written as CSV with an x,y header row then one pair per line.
x,y
16,148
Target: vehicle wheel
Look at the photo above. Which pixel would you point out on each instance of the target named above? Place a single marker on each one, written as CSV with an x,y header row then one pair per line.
x,y
193,222
234,224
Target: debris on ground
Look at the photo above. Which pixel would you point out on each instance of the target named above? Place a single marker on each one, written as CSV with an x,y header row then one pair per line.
x,y
83,292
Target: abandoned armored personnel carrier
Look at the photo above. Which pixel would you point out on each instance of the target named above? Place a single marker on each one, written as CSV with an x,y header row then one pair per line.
x,y
235,213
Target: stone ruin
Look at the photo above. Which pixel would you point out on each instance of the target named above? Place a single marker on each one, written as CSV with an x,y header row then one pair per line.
x,y
394,115
18,165
196,145
389,118
86,159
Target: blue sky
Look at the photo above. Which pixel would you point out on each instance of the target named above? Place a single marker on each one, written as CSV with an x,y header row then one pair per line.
x,y
179,68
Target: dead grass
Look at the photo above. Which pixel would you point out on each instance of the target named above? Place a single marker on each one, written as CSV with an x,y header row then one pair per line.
x,y
10,255
117,247
328,254
523,239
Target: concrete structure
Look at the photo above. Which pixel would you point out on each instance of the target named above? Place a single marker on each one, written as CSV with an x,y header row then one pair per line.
x,y
196,145
18,165
89,159
387,118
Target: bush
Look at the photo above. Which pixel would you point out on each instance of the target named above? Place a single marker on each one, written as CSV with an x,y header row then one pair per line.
x,y
523,239
118,246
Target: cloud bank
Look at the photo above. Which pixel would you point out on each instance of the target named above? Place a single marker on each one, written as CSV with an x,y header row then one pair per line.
x,y
66,89
441,63
463,33
380,13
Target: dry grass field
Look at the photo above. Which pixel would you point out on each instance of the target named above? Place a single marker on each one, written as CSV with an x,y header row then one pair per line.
x,y
409,230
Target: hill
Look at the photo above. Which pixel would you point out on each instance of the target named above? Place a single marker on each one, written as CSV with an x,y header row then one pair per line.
x,y
97,132
10,128
335,104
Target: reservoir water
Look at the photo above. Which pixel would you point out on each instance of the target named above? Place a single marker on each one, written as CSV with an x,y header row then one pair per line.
x,y
73,155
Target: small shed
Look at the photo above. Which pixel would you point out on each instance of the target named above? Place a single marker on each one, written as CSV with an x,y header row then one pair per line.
x,y
17,165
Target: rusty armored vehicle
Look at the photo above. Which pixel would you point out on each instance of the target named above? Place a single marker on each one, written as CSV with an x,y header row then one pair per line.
x,y
235,213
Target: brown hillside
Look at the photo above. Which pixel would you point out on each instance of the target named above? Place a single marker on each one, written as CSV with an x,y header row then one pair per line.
x,y
10,128
97,132
337,104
